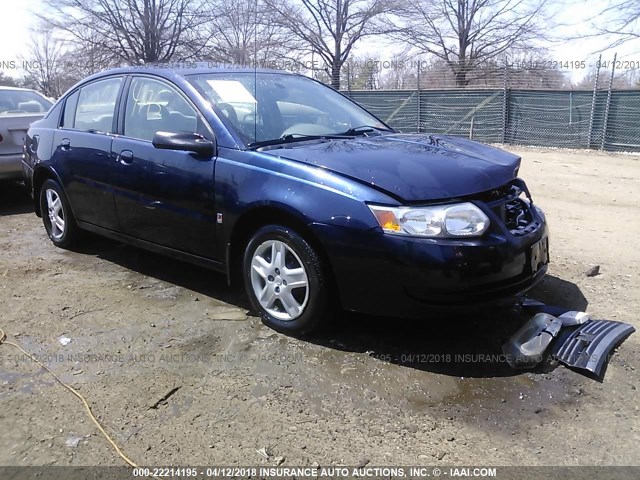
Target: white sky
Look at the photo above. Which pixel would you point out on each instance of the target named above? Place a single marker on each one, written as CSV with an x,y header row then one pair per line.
x,y
18,20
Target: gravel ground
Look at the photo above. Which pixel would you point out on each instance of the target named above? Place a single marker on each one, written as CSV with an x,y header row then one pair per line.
x,y
387,391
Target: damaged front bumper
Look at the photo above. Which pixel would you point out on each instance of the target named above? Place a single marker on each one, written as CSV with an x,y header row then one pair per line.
x,y
588,346
525,349
571,337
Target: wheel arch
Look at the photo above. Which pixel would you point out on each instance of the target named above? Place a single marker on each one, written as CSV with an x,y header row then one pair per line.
x,y
255,218
41,175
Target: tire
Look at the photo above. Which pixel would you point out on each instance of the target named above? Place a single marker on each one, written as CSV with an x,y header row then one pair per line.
x,y
57,216
276,258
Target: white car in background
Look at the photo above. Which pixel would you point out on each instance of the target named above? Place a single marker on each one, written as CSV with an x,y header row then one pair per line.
x,y
19,108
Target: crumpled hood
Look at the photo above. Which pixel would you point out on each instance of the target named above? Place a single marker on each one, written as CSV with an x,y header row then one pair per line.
x,y
411,167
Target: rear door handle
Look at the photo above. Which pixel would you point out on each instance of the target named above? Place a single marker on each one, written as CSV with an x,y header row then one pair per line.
x,y
65,144
125,157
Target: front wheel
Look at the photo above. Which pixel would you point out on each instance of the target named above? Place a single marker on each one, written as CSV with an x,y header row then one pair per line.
x,y
56,215
286,281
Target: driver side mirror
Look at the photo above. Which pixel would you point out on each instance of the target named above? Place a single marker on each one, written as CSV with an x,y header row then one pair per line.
x,y
184,141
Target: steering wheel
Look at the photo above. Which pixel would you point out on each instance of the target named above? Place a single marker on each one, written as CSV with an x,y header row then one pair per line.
x,y
228,111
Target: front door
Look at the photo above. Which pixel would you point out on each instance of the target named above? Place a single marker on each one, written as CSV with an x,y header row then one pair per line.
x,y
163,196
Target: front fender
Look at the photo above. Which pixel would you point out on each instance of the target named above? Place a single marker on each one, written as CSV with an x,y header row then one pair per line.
x,y
248,180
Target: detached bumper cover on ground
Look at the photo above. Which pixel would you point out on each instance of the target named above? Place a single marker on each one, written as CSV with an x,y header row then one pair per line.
x,y
588,346
573,338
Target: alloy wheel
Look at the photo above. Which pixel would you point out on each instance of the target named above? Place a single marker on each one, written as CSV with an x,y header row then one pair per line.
x,y
279,280
55,212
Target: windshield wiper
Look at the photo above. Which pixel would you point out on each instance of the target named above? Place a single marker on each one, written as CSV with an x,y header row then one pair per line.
x,y
292,137
299,137
364,129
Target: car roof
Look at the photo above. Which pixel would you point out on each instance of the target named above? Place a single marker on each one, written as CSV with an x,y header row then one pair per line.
x,y
182,69
20,89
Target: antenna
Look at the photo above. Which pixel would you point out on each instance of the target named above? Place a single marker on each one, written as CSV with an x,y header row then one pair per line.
x,y
255,72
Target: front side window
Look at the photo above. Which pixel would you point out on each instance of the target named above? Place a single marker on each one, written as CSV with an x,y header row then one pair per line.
x,y
261,107
154,106
96,106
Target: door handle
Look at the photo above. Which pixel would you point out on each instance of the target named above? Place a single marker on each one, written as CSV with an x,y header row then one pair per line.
x,y
65,144
125,157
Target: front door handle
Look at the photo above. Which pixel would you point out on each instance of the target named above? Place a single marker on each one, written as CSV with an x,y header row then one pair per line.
x,y
125,157
65,144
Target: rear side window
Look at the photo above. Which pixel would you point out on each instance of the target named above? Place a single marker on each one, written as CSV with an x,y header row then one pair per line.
x,y
96,105
70,110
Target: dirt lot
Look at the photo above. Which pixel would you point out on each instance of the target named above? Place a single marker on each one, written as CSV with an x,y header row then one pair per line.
x,y
384,390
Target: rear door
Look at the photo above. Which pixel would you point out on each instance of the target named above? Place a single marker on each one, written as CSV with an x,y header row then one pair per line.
x,y
163,196
83,151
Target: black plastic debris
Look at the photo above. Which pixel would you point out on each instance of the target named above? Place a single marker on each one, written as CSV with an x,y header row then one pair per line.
x,y
572,317
536,306
568,317
588,346
568,336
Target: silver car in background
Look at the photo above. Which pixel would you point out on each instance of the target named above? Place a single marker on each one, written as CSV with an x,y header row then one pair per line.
x,y
19,107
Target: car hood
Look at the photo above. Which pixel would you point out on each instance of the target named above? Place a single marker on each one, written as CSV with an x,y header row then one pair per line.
x,y
411,167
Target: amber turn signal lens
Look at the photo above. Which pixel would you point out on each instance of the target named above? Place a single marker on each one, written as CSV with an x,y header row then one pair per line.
x,y
387,220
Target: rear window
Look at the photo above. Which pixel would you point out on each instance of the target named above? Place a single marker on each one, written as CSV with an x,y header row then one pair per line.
x,y
15,102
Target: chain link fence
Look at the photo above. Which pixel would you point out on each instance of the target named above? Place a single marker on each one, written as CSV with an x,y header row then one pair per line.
x,y
602,117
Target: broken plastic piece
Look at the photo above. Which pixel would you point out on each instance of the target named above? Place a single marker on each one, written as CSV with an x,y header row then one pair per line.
x,y
588,346
568,317
535,306
263,453
525,347
573,318
73,441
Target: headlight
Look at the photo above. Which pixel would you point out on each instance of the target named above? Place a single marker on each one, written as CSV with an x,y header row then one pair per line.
x,y
457,220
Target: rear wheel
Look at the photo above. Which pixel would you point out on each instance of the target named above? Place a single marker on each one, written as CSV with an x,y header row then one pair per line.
x,y
56,215
286,281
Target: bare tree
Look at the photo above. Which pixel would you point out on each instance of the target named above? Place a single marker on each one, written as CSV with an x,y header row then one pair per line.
x,y
620,21
133,31
362,73
625,80
7,81
467,33
53,65
331,28
244,32
42,65
84,60
528,70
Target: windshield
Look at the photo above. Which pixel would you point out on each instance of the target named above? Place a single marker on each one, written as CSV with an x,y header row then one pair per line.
x,y
263,107
22,101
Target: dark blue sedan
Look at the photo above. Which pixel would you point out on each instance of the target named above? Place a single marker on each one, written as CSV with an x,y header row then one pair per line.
x,y
279,181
